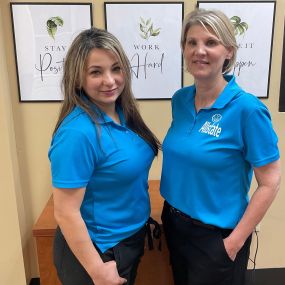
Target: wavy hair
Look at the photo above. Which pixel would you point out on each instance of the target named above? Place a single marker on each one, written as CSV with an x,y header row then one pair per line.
x,y
73,77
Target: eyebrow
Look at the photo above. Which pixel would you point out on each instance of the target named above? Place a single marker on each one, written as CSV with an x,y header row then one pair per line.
x,y
100,67
209,37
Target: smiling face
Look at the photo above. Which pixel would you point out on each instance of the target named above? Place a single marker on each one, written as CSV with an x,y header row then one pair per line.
x,y
103,78
204,54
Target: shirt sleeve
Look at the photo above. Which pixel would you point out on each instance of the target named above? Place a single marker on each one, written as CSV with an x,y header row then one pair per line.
x,y
73,159
260,139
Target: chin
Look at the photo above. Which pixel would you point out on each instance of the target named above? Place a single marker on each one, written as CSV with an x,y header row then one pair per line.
x,y
200,75
111,100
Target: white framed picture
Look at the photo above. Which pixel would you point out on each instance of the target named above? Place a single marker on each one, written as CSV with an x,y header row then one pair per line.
x,y
254,27
150,35
42,34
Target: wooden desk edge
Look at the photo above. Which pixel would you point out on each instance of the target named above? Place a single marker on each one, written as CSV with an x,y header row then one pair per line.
x,y
46,224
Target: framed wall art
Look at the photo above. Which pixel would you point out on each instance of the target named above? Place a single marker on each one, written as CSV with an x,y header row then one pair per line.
x,y
150,35
254,27
282,80
42,35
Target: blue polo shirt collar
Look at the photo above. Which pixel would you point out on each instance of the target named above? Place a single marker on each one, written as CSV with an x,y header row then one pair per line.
x,y
228,94
102,117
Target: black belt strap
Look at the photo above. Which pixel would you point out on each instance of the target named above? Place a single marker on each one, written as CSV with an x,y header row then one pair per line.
x,y
154,233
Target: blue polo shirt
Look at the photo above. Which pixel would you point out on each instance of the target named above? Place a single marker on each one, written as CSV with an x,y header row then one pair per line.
x,y
113,164
208,157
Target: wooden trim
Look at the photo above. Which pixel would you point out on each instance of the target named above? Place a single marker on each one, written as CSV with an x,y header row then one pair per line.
x,y
46,224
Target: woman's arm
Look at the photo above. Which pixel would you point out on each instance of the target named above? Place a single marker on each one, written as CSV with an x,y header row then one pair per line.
x,y
67,204
268,180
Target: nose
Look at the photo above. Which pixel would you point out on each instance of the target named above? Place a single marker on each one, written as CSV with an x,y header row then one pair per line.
x,y
200,49
108,79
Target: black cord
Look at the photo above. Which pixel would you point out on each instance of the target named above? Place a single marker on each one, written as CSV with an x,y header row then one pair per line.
x,y
252,281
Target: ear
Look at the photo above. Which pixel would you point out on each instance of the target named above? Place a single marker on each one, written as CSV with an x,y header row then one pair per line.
x,y
230,53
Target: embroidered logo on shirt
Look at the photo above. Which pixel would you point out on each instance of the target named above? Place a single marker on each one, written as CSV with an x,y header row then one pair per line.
x,y
212,128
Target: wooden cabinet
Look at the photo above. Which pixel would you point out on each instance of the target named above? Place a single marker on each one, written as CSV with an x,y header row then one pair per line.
x,y
43,231
154,268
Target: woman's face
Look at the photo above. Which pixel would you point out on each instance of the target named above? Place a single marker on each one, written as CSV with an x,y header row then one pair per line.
x,y
204,54
103,78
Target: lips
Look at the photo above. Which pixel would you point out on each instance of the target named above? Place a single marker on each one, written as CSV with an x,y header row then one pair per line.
x,y
109,92
200,62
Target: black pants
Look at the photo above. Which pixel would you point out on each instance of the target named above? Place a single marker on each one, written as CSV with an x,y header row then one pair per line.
x,y
127,255
197,252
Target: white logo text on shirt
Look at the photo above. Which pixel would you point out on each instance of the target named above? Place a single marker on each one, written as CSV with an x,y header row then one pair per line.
x,y
212,128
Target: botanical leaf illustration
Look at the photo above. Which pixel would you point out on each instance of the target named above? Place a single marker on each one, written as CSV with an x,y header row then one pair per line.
x,y
147,30
52,24
239,26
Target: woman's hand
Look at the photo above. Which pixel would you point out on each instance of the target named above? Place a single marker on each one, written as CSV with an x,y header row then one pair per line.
x,y
268,181
107,274
67,204
231,248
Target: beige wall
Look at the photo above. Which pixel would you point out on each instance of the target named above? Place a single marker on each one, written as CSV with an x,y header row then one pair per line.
x,y
11,258
25,136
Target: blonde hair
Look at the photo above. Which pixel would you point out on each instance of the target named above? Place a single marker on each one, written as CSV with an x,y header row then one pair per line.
x,y
221,26
73,77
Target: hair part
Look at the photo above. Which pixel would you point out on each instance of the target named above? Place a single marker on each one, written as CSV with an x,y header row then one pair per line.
x,y
220,24
73,78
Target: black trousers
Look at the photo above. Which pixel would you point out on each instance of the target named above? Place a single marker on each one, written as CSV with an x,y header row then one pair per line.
x,y
197,252
127,255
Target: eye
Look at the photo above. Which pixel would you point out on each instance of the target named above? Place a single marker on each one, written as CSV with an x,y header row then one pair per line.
x,y
95,72
117,68
191,42
212,42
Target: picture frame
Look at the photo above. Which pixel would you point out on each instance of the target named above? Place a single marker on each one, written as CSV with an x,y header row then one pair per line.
x,y
282,80
42,34
253,64
150,35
